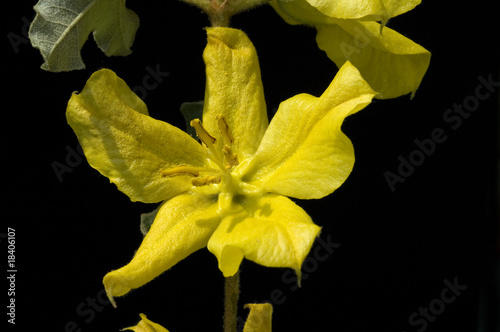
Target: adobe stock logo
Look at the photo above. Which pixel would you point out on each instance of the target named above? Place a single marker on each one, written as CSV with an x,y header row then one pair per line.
x,y
454,118
425,315
323,249
150,81
87,311
17,40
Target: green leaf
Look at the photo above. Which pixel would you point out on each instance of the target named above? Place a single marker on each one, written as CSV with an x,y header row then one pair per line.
x,y
61,27
190,111
147,220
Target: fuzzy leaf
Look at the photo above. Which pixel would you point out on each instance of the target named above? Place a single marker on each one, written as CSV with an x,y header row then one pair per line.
x,y
61,27
190,111
147,220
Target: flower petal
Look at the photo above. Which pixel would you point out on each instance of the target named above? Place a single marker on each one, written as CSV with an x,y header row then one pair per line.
x,y
398,7
234,89
183,225
320,11
125,144
392,64
146,325
304,154
374,10
260,317
299,12
270,230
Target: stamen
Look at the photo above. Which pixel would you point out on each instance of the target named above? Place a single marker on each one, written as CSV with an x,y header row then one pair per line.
x,y
208,140
205,181
230,157
202,133
181,170
224,128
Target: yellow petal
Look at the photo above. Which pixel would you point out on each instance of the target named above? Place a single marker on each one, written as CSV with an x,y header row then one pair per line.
x,y
320,11
260,317
125,144
234,89
392,64
146,325
270,230
182,226
304,154
398,7
375,10
299,12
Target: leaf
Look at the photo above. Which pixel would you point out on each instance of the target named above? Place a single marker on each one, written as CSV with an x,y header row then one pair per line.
x,y
147,220
190,111
61,27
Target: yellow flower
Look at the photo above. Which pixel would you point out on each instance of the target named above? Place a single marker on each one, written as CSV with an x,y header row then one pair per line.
x,y
320,11
228,193
145,325
260,317
259,320
392,64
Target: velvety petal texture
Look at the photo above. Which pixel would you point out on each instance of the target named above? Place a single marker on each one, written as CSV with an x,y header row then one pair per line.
x,y
304,153
146,325
322,11
375,10
260,317
125,144
269,230
182,226
299,12
234,89
392,64
398,7
236,206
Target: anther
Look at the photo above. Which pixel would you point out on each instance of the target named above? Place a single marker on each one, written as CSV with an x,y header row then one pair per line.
x,y
224,128
180,170
205,181
202,133
230,157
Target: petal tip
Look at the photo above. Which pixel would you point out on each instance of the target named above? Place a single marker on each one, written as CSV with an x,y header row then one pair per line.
x,y
113,287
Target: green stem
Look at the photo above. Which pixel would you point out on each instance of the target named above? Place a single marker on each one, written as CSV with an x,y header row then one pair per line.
x,y
231,294
218,19
218,11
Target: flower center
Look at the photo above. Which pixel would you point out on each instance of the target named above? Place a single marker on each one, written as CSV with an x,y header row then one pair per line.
x,y
227,159
224,159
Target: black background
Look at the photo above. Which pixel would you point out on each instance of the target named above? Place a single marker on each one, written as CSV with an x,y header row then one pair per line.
x,y
396,248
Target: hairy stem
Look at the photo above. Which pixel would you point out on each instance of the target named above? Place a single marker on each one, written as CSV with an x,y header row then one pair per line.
x,y
231,294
